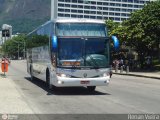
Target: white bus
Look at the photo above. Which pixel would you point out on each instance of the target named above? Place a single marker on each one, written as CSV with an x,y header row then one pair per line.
x,y
69,53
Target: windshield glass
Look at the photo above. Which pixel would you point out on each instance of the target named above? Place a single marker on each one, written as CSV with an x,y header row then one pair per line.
x,y
83,52
81,29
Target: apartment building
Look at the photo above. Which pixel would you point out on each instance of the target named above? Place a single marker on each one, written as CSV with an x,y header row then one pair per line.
x,y
117,10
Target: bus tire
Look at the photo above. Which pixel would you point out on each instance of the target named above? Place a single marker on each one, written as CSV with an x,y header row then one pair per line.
x,y
48,79
91,88
31,73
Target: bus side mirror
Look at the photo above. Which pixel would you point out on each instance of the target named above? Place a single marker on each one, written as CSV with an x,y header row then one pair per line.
x,y
116,42
54,43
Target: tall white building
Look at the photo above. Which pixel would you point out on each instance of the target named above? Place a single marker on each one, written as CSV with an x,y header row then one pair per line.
x,y
117,10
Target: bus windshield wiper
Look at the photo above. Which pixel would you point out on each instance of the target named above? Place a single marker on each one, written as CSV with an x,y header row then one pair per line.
x,y
96,66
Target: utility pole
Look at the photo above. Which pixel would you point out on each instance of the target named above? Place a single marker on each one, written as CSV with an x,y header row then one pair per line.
x,y
18,51
24,50
24,45
159,51
5,40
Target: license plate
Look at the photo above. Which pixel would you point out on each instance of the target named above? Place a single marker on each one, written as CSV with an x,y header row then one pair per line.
x,y
85,82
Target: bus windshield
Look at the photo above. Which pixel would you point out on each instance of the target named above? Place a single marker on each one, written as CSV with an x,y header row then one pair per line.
x,y
83,52
81,29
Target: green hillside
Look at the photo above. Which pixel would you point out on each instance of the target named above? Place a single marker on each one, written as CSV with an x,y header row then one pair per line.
x,y
24,25
24,15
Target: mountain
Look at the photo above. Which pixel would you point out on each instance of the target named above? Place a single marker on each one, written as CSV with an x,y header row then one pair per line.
x,y
24,15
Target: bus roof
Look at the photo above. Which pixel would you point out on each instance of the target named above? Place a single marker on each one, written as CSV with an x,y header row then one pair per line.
x,y
77,20
69,20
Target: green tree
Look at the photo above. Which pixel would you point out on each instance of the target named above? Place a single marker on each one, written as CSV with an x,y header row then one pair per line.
x,y
143,29
111,26
37,41
15,46
140,31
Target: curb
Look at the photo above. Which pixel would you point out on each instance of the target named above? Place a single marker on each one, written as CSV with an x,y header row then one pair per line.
x,y
138,75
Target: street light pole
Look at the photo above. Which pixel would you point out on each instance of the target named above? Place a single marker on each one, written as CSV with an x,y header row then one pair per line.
x,y
24,44
24,50
18,51
5,41
159,51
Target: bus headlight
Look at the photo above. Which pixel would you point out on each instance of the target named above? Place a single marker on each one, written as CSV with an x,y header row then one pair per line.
x,y
63,75
104,75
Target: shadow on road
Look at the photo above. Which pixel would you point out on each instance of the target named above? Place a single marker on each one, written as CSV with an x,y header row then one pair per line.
x,y
2,75
64,90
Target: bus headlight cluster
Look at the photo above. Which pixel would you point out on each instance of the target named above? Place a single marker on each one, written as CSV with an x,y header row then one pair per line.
x,y
104,75
63,75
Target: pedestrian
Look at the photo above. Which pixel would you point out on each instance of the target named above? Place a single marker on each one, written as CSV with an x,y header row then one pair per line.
x,y
115,63
121,63
4,60
148,62
4,65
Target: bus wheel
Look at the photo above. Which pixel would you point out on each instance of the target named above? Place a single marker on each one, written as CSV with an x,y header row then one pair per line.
x,y
48,80
91,88
31,73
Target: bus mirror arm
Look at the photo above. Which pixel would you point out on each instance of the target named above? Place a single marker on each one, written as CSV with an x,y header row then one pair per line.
x,y
116,42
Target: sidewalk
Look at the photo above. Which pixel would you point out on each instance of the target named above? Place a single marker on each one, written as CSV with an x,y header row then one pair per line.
x,y
12,101
154,74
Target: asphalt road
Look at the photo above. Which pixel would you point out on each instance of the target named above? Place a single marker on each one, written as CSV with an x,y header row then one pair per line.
x,y
124,95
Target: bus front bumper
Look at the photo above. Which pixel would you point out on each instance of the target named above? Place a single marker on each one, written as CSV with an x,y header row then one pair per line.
x,y
75,82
